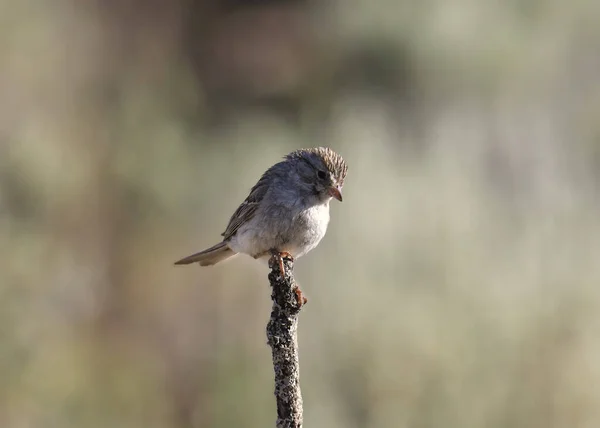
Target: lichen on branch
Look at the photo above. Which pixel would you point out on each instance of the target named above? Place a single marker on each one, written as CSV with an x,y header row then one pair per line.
x,y
283,340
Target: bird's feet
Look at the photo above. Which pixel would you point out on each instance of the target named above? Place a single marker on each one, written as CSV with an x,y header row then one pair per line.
x,y
300,299
279,256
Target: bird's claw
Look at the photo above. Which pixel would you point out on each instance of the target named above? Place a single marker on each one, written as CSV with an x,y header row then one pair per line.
x,y
279,256
300,299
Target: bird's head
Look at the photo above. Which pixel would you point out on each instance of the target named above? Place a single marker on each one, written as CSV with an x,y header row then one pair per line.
x,y
321,171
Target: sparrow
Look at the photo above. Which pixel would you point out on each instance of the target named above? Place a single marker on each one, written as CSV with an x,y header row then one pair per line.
x,y
286,213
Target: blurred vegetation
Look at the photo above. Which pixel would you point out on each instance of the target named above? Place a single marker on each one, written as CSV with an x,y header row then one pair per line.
x,y
458,283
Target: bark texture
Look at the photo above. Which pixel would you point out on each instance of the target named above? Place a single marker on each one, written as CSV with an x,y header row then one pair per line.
x,y
283,340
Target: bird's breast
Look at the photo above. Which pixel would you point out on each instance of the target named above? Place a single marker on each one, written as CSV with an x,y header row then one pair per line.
x,y
292,229
309,227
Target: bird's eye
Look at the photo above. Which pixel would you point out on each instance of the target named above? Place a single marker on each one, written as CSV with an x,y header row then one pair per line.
x,y
322,175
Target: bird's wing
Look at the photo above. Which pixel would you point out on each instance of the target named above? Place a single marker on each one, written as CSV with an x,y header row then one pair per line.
x,y
248,208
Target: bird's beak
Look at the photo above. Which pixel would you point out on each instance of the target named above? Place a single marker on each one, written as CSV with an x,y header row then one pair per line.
x,y
336,192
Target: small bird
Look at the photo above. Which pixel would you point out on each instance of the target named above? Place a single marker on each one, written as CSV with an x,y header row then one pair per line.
x,y
287,211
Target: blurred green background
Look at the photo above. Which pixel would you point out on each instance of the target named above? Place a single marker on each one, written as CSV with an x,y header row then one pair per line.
x,y
458,285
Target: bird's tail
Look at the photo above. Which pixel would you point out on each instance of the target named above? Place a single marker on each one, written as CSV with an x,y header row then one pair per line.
x,y
210,256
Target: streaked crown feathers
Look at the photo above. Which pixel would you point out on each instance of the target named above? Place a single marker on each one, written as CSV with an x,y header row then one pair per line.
x,y
333,161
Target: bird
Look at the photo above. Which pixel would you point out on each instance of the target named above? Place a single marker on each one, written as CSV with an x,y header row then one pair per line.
x,y
286,213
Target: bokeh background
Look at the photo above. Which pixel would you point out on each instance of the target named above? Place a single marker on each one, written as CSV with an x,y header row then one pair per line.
x,y
458,285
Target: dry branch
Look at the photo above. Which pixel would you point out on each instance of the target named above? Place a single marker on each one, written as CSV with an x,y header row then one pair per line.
x,y
283,340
